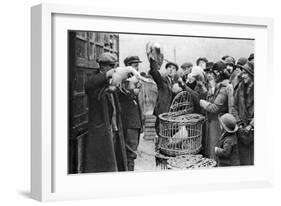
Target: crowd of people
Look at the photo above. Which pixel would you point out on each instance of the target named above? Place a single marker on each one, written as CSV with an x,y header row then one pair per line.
x,y
222,91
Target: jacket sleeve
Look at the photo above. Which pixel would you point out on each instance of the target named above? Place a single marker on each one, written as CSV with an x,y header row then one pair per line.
x,y
155,73
235,107
194,95
230,95
225,151
209,107
95,81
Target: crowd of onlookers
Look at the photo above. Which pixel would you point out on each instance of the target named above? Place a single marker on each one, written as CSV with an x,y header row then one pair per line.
x,y
222,91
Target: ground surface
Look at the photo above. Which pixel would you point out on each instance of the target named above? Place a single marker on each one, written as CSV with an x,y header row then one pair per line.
x,y
146,156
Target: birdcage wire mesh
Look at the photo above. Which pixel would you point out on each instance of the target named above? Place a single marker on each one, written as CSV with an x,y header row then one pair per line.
x,y
182,103
180,129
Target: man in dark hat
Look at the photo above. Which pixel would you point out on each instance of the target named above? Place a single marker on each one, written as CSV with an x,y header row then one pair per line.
x,y
230,64
164,86
185,70
202,62
244,107
132,117
104,148
235,76
132,61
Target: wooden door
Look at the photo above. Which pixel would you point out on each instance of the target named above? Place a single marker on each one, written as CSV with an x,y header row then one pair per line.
x,y
84,48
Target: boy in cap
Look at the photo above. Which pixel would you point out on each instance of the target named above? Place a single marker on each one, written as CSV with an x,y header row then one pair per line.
x,y
226,149
132,118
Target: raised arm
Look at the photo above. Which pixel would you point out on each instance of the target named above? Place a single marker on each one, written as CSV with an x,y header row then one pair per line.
x,y
154,72
95,81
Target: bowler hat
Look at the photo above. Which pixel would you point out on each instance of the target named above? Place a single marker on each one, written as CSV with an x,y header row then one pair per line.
x,y
108,58
131,59
249,68
218,66
172,63
228,122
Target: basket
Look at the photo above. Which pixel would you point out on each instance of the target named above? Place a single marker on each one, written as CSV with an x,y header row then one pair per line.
x,y
180,134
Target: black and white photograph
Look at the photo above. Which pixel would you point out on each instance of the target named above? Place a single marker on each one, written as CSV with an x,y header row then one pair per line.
x,y
151,102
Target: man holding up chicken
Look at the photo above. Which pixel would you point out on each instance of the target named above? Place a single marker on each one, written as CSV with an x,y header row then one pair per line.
x,y
104,148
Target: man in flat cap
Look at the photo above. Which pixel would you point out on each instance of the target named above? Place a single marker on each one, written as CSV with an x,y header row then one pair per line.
x,y
104,148
131,114
164,85
186,69
132,61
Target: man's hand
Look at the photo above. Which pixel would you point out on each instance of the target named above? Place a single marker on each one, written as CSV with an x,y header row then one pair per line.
x,y
122,73
248,128
217,149
153,51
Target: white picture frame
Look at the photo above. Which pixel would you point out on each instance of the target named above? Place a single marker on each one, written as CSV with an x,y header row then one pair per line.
x,y
49,180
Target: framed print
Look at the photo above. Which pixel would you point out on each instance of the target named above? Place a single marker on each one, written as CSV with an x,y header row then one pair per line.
x,y
139,100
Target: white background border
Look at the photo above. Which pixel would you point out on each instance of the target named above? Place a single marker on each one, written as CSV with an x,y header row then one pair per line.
x,y
15,105
263,172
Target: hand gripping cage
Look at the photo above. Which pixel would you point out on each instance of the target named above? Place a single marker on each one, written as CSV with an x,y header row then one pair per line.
x,y
180,129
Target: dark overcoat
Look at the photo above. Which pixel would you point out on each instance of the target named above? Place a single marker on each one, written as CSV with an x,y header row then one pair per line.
x,y
164,87
131,111
244,106
228,154
103,151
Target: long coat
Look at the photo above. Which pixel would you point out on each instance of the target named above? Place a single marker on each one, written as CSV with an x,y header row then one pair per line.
x,y
164,86
244,106
218,103
131,114
103,151
165,94
227,154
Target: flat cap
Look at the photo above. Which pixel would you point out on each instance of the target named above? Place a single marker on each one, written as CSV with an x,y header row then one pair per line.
x,y
131,59
186,65
107,57
172,63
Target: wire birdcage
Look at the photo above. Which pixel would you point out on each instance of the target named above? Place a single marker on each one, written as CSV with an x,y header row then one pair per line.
x,y
182,103
180,129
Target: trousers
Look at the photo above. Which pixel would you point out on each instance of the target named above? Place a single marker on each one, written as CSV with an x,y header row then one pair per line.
x,y
132,137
